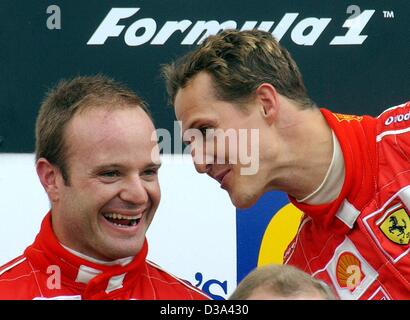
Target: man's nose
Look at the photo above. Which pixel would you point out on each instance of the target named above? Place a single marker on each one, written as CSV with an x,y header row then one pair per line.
x,y
134,191
202,161
202,167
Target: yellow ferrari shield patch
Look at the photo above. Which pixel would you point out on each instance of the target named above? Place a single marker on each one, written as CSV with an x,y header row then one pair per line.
x,y
396,227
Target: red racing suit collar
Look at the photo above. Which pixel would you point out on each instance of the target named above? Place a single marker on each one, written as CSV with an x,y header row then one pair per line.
x,y
359,168
48,255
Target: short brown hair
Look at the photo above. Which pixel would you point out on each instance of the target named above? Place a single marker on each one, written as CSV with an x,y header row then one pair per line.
x,y
68,98
282,280
238,62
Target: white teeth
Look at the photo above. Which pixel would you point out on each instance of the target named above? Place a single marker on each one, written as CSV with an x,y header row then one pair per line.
x,y
114,215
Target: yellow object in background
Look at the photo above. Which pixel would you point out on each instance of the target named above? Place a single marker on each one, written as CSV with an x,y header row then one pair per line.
x,y
279,233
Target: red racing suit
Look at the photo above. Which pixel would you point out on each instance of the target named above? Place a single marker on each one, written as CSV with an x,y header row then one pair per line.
x,y
46,270
360,243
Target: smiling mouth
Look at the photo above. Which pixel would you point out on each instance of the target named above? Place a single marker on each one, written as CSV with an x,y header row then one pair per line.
x,y
122,220
221,176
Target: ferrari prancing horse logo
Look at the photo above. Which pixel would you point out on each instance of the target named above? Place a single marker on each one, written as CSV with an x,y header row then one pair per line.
x,y
396,226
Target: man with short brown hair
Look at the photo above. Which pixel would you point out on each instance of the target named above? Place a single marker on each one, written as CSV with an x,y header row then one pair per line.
x,y
350,175
97,158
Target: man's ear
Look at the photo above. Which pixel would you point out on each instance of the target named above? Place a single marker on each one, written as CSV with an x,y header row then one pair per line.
x,y
269,100
50,177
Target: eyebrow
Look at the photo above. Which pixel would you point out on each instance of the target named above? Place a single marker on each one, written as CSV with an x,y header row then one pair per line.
x,y
153,165
119,166
193,124
107,165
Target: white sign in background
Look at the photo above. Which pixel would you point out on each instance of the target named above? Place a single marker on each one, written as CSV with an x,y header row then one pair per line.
x,y
193,234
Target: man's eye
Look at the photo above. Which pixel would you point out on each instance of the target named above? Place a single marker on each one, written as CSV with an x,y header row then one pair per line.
x,y
150,172
203,131
110,174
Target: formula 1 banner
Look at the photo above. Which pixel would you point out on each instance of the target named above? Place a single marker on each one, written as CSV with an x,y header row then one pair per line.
x,y
354,56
